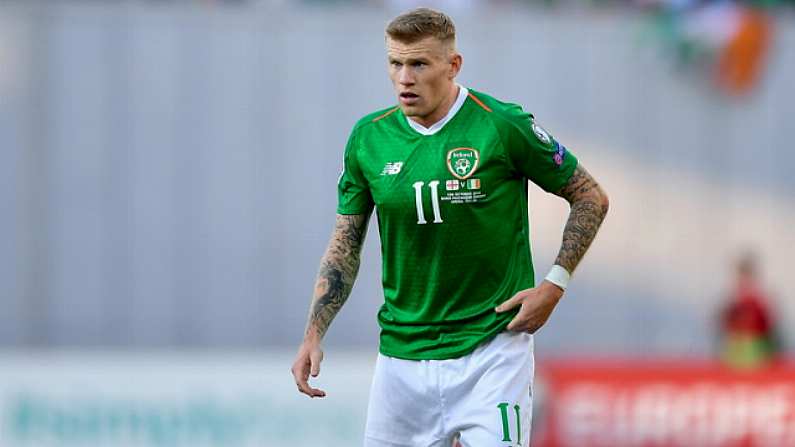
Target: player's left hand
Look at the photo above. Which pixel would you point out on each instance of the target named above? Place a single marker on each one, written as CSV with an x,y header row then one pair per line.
x,y
537,305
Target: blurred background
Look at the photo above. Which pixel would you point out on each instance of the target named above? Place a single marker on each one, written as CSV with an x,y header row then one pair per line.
x,y
167,184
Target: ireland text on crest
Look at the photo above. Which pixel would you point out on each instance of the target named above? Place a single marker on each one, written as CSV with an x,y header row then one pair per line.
x,y
462,162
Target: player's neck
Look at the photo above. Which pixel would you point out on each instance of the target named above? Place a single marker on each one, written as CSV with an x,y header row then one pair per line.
x,y
441,111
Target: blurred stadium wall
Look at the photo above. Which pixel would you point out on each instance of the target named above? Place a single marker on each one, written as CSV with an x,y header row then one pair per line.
x,y
168,170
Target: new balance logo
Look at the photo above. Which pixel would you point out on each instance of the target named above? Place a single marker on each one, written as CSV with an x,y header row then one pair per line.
x,y
392,168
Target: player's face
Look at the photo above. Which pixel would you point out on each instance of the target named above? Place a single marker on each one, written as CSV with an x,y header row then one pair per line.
x,y
423,74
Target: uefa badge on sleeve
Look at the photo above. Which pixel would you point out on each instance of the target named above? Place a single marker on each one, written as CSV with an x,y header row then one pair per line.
x,y
542,134
559,155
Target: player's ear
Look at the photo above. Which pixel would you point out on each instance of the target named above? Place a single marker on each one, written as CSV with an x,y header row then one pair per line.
x,y
456,60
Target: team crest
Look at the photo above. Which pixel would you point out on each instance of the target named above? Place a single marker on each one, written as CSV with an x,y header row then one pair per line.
x,y
542,134
462,162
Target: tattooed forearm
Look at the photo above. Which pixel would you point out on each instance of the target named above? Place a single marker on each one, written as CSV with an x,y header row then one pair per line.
x,y
338,270
589,206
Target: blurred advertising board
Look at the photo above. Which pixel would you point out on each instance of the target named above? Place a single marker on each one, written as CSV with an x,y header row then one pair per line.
x,y
178,399
92,399
665,404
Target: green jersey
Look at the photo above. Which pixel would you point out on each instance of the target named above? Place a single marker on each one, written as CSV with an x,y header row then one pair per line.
x,y
452,216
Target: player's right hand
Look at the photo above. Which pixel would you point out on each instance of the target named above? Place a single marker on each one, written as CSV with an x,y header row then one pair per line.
x,y
307,362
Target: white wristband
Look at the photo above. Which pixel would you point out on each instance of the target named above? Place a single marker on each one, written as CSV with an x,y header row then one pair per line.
x,y
559,276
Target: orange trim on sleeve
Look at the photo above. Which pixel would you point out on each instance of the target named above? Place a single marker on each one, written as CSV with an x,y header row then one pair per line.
x,y
479,102
378,118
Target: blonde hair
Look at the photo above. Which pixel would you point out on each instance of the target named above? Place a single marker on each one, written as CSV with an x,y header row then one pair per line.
x,y
420,23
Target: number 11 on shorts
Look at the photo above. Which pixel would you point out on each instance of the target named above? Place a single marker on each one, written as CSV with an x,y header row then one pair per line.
x,y
506,430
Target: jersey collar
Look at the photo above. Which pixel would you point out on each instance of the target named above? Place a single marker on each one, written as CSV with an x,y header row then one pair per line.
x,y
436,127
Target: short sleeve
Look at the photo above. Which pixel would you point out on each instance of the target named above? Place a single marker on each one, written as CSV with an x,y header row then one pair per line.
x,y
353,191
535,154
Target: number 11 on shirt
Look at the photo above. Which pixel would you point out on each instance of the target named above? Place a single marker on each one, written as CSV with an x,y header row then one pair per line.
x,y
437,214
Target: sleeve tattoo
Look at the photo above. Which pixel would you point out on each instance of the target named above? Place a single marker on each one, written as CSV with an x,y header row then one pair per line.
x,y
338,269
589,206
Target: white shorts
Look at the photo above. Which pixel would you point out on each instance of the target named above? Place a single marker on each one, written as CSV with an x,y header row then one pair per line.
x,y
483,399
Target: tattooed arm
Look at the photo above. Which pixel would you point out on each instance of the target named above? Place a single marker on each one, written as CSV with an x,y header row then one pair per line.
x,y
338,269
589,206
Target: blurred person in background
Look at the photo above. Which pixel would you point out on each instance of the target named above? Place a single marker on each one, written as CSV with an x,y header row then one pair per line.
x,y
447,170
748,331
